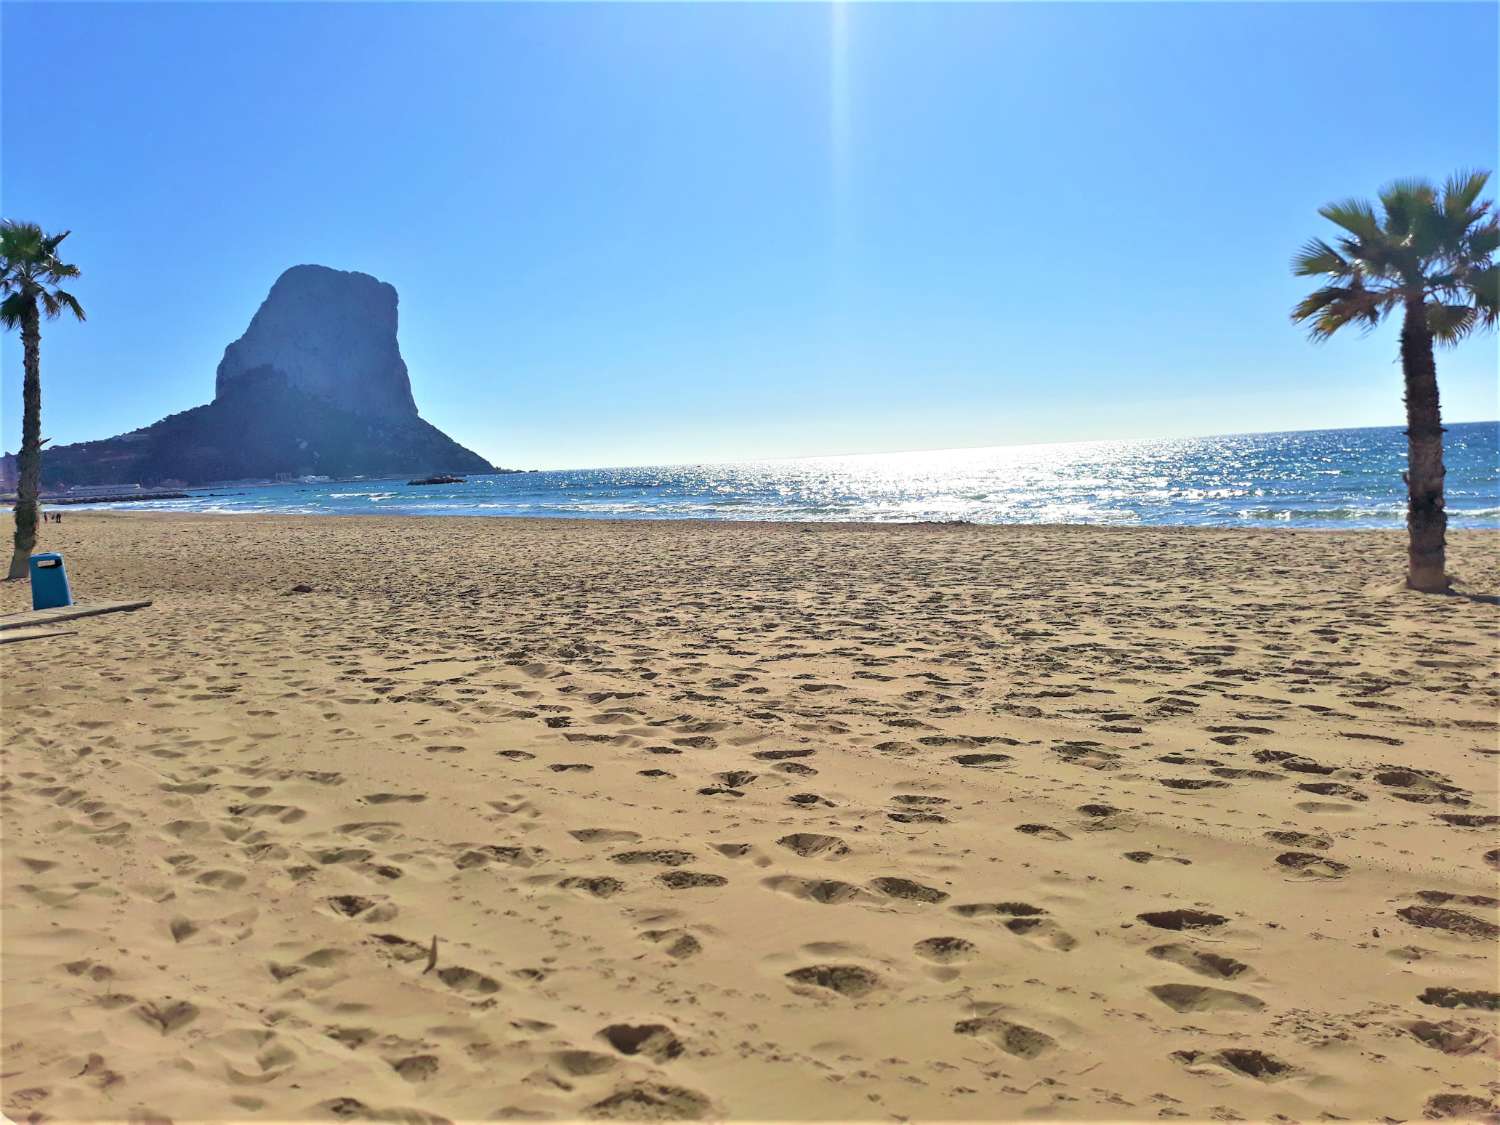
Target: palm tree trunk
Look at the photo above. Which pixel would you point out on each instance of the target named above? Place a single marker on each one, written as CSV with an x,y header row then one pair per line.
x,y
29,463
1426,517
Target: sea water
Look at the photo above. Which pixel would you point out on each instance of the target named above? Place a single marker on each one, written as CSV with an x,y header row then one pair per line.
x,y
1309,479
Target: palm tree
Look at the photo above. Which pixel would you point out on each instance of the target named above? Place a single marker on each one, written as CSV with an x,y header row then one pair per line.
x,y
1429,254
29,273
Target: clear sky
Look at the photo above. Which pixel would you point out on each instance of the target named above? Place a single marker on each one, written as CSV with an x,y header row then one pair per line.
x,y
626,234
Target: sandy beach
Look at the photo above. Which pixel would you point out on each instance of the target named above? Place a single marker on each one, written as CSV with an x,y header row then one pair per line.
x,y
749,821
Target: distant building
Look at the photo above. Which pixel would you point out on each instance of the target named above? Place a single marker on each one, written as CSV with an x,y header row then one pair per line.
x,y
8,472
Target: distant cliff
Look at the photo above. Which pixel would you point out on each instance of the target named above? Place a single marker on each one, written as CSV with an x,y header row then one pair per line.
x,y
316,385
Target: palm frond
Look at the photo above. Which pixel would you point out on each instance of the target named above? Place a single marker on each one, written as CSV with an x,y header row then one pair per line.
x,y
1460,191
1356,216
1317,257
1335,306
1404,201
1482,241
1450,323
69,302
14,309
30,269
1484,290
20,241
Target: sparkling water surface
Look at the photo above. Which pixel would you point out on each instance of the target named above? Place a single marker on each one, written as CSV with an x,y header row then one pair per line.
x,y
1310,479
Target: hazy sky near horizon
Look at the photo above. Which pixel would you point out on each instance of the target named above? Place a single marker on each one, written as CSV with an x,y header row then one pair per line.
x,y
632,234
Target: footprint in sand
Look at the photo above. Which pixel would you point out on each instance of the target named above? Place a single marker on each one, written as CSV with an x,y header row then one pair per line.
x,y
853,981
500,853
286,814
1191,784
467,980
1467,1107
1042,831
400,948
1044,932
221,880
1201,998
654,1041
1012,1038
355,906
809,844
945,950
916,816
809,800
1333,789
893,886
1153,857
677,944
1448,997
1244,1061
376,831
1469,820
1450,1037
604,835
1450,921
1289,761
795,769
1301,840
1199,961
982,761
827,891
662,857
1310,865
167,1015
688,880
1004,909
415,1068
1182,919
600,886
584,1064
652,1101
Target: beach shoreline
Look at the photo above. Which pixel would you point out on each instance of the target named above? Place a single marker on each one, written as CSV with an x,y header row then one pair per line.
x,y
757,820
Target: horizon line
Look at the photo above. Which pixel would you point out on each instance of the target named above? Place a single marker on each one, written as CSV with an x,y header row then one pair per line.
x,y
973,448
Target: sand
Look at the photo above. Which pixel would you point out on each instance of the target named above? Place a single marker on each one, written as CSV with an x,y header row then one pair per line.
x,y
749,821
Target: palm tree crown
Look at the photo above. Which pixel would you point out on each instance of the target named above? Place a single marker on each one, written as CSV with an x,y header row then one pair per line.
x,y
30,271
1430,247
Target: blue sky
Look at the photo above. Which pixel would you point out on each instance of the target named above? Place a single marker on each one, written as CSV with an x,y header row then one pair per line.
x,y
626,234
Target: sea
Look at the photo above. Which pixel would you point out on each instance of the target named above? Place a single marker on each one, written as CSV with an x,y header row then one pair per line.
x,y
1305,479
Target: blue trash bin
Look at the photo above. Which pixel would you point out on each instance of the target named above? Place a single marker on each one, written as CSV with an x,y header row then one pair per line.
x,y
49,582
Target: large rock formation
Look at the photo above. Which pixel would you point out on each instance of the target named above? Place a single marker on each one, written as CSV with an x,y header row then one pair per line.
x,y
316,385
333,335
